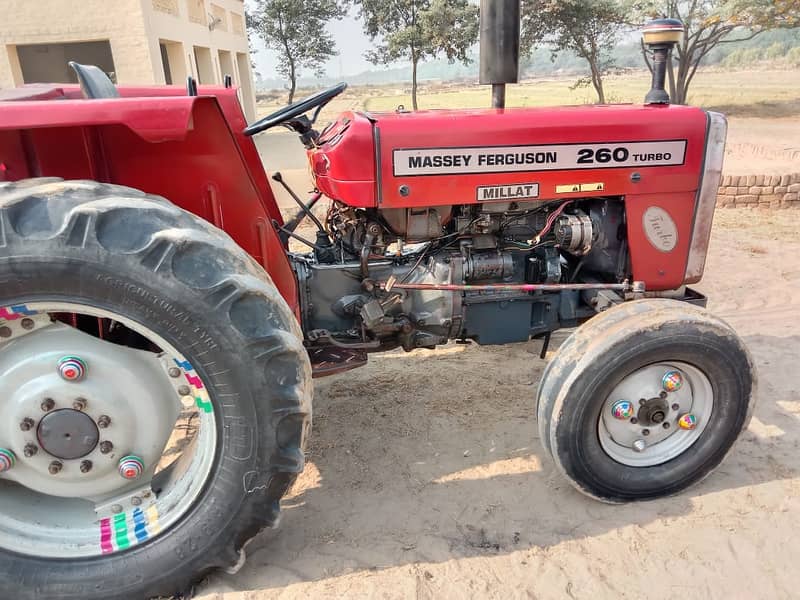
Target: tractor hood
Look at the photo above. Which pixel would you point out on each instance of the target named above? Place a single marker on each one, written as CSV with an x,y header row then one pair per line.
x,y
445,157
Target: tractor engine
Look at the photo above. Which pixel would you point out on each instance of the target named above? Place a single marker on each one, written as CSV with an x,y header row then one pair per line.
x,y
492,244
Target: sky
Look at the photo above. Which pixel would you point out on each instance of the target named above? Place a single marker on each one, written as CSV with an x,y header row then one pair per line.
x,y
351,42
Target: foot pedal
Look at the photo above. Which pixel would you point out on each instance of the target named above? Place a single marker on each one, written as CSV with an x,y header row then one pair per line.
x,y
330,360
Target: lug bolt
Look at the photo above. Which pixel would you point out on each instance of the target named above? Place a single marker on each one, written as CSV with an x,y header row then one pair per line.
x,y
665,424
131,467
5,332
184,390
27,324
72,368
86,466
48,404
645,432
106,447
103,421
55,467
30,450
79,404
174,372
639,445
687,421
676,406
622,410
7,460
27,424
672,381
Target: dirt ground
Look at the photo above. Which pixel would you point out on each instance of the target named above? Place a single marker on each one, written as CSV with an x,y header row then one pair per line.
x,y
426,478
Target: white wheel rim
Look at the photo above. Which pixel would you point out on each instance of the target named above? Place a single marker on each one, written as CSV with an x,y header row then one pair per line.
x,y
44,525
643,439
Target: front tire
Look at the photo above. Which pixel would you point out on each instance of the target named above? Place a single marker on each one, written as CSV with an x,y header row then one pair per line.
x,y
645,400
80,252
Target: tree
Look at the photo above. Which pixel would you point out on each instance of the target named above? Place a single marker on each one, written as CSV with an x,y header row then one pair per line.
x,y
710,23
590,28
295,30
417,29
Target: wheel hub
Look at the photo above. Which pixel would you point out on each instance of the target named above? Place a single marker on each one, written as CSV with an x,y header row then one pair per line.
x,y
67,434
653,411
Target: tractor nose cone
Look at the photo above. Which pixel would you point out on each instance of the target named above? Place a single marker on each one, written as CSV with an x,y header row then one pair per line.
x,y
67,434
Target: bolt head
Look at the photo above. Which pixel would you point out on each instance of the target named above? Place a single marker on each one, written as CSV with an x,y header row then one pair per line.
x,y
645,432
5,332
184,390
106,447
676,406
639,445
665,424
55,467
131,467
27,324
634,420
7,460
672,381
26,424
136,501
622,410
103,421
174,372
30,450
79,404
48,404
72,368
116,509
86,466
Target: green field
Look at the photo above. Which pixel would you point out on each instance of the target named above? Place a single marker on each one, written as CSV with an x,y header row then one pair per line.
x,y
758,93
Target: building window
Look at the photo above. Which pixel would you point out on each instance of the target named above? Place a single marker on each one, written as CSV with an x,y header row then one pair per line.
x,y
166,6
205,65
197,11
237,23
47,63
219,17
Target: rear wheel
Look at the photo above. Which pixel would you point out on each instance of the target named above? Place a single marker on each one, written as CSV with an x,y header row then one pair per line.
x,y
645,400
155,396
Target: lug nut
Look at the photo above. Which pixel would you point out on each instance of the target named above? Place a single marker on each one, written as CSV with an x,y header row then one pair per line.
x,y
7,460
55,467
30,450
131,467
687,421
48,404
622,410
106,447
72,368
27,424
103,421
672,381
86,466
79,404
27,324
174,372
639,445
184,390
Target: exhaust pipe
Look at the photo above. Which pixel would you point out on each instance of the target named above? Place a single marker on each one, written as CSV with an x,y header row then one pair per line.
x,y
499,62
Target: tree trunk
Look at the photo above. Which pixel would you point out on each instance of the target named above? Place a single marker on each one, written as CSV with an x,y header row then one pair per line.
x,y
414,61
292,82
597,82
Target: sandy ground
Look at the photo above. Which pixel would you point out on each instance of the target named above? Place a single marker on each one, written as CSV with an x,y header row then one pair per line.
x,y
426,478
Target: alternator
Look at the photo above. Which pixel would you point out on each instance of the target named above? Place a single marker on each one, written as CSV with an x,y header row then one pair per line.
x,y
574,233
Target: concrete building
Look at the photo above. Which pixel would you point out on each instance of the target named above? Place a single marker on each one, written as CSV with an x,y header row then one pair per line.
x,y
134,41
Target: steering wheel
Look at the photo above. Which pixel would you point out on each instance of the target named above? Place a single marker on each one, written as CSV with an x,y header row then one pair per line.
x,y
288,115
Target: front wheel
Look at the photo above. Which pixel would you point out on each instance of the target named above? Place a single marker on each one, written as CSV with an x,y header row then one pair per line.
x,y
645,400
154,399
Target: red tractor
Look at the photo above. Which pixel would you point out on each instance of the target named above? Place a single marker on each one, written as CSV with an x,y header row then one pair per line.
x,y
158,339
